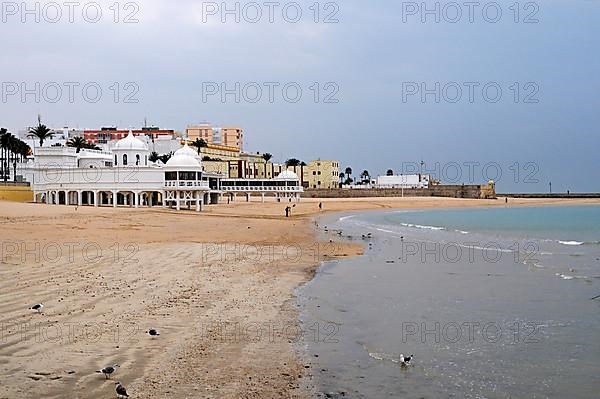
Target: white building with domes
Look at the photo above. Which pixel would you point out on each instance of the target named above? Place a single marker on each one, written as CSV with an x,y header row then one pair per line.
x,y
125,176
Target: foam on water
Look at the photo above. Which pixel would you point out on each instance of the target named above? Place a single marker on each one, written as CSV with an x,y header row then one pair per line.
x,y
532,295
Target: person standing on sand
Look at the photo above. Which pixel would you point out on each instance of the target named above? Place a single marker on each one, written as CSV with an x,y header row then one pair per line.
x,y
320,206
287,211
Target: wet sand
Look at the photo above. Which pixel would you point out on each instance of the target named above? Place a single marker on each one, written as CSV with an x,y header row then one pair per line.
x,y
219,286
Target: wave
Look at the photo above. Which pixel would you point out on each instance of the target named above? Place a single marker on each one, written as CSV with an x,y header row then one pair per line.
x,y
572,243
346,218
568,277
491,248
462,232
419,226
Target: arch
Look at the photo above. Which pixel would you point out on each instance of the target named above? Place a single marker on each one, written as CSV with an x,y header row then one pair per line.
x,y
124,159
137,159
116,160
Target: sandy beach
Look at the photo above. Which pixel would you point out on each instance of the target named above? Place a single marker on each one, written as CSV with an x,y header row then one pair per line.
x,y
219,287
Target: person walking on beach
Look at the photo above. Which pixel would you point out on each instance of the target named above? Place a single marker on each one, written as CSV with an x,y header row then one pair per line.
x,y
287,211
320,206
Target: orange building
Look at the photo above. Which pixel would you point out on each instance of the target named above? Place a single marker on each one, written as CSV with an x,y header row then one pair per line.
x,y
225,136
106,134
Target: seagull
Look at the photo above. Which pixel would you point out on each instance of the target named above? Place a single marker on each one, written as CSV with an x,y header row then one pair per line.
x,y
37,307
108,371
405,360
121,391
152,332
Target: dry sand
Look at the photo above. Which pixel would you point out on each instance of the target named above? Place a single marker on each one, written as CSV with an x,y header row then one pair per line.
x,y
219,286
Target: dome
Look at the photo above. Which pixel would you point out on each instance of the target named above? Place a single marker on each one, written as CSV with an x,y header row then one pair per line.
x,y
186,150
182,161
130,143
287,175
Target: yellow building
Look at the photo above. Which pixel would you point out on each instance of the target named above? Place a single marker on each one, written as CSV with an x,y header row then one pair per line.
x,y
321,174
231,136
231,162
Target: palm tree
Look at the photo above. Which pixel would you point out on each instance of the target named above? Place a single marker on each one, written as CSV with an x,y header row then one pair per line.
x,y
12,148
22,149
42,132
199,144
92,146
365,176
390,172
292,162
165,157
78,143
267,157
349,173
3,154
342,175
154,157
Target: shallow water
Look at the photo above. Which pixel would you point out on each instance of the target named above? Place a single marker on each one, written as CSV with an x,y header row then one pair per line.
x,y
493,303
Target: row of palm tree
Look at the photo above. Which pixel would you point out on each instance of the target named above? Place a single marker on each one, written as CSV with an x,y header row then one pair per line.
x,y
346,177
12,149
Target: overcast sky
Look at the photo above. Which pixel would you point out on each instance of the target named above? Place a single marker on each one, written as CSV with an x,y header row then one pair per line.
x,y
361,66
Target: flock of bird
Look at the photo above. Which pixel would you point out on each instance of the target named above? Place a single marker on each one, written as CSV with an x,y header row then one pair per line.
x,y
109,370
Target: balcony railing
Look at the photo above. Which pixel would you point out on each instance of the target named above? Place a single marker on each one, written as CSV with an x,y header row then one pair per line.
x,y
259,189
187,184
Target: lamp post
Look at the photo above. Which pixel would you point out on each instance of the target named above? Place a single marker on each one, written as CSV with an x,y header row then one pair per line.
x,y
550,187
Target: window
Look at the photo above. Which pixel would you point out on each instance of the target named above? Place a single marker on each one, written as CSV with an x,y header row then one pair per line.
x,y
187,176
116,161
319,173
124,159
146,160
137,159
170,176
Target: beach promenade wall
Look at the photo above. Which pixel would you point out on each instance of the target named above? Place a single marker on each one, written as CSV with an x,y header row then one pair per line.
x,y
448,191
15,193
562,196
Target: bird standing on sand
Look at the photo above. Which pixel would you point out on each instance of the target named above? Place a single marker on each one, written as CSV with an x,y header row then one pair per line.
x,y
38,307
121,391
108,371
405,360
152,332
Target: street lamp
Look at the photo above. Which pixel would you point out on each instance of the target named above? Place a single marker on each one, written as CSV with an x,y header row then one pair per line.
x,y
550,187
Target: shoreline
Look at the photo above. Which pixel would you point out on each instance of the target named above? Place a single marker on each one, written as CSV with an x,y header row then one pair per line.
x,y
351,275
191,279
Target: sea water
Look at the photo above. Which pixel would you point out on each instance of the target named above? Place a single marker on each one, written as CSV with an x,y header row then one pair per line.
x,y
492,303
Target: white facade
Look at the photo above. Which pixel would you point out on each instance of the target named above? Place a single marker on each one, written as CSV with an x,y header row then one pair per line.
x,y
403,181
125,177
